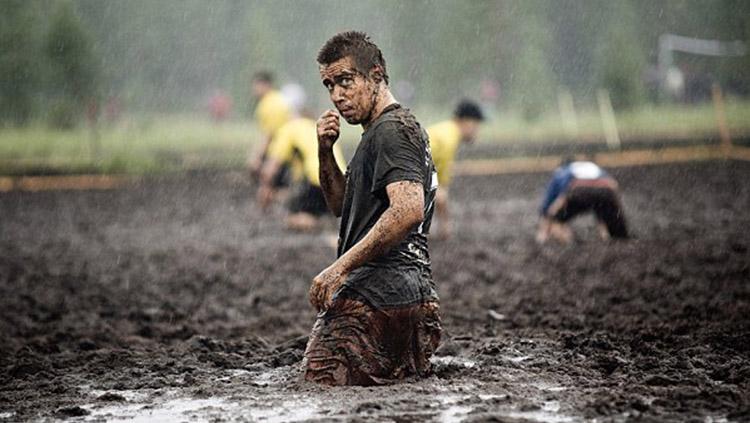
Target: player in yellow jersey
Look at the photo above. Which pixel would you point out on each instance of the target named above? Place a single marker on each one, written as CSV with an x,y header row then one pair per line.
x,y
445,138
271,113
297,140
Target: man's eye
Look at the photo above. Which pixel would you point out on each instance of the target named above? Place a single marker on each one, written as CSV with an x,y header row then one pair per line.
x,y
328,86
345,82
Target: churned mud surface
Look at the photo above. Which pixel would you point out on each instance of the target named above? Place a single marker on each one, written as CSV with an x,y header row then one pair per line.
x,y
176,300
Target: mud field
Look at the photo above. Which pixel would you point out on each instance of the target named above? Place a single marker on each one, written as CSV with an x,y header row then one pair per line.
x,y
175,300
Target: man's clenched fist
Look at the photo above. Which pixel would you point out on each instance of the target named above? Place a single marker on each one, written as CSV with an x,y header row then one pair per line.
x,y
328,129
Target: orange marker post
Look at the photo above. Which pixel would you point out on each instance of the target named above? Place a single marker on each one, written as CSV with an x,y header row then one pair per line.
x,y
721,120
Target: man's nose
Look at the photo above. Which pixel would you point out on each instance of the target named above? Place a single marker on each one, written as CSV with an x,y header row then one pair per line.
x,y
337,95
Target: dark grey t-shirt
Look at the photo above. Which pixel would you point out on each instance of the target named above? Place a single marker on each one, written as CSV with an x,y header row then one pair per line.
x,y
394,148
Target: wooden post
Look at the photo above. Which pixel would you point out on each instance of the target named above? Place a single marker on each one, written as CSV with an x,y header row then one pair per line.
x,y
721,120
567,113
607,113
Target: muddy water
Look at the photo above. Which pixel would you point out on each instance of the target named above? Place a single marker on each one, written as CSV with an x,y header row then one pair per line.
x,y
177,301
283,400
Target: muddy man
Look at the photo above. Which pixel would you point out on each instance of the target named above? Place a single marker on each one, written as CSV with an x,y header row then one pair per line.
x,y
378,318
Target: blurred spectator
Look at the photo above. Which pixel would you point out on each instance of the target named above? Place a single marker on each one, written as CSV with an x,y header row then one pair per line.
x,y
92,111
697,86
113,109
674,83
272,112
489,96
220,106
295,97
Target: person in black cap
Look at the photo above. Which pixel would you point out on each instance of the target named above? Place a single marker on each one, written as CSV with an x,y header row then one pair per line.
x,y
445,137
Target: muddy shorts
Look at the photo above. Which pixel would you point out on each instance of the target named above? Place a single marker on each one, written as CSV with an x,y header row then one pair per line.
x,y
355,344
308,198
603,201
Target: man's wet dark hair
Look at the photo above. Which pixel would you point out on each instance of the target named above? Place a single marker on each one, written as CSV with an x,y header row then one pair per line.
x,y
263,76
358,46
467,109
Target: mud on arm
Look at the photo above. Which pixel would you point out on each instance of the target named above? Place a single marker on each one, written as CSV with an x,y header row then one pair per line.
x,y
332,181
406,210
266,191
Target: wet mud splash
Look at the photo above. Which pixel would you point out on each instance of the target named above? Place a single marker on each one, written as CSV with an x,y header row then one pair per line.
x,y
174,300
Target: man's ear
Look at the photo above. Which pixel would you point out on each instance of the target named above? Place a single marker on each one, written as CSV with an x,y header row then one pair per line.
x,y
376,73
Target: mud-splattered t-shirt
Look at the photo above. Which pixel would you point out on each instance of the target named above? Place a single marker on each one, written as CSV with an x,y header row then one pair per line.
x,y
394,148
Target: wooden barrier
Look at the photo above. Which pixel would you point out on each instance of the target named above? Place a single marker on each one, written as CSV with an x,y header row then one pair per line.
x,y
606,159
77,182
465,167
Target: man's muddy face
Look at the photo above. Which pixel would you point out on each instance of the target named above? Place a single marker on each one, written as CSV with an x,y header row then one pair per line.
x,y
353,94
469,128
260,88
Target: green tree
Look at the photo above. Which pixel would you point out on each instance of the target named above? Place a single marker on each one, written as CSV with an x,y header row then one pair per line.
x,y
620,59
73,70
533,82
18,61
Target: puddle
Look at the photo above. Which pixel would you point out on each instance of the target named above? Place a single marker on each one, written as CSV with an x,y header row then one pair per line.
x,y
452,360
265,378
453,403
289,411
549,387
129,395
173,410
548,413
454,412
7,415
234,373
519,359
180,409
485,397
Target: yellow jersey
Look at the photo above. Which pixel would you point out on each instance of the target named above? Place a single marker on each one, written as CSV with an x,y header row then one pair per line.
x,y
272,112
445,138
298,139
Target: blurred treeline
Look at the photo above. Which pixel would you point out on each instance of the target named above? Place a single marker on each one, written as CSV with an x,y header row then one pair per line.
x,y
62,59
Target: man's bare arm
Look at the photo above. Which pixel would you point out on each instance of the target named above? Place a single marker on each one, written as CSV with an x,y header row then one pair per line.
x,y
332,181
405,211
266,191
259,156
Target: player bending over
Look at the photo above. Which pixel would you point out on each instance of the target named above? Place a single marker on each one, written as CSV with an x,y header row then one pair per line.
x,y
576,188
297,140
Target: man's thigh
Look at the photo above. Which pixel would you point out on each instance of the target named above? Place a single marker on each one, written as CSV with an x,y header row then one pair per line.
x,y
356,344
575,202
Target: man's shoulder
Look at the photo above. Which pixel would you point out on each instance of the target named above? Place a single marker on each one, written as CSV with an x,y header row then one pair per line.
x,y
398,123
441,126
443,132
273,99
